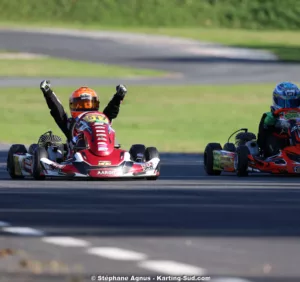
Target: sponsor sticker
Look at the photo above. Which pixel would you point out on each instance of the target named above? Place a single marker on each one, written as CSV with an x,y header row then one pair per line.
x,y
85,96
104,163
297,169
96,118
107,172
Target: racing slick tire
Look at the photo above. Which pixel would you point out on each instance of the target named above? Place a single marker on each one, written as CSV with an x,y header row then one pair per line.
x,y
150,153
230,147
10,164
209,158
137,153
32,148
242,153
37,168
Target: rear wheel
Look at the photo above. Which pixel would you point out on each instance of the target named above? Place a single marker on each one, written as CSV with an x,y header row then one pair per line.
x,y
32,148
137,153
209,158
242,153
150,153
10,164
37,169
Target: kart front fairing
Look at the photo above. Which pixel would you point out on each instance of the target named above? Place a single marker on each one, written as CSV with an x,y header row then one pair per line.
x,y
79,166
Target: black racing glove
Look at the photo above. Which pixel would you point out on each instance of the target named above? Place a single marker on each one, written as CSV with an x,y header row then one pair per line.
x,y
121,91
284,125
45,86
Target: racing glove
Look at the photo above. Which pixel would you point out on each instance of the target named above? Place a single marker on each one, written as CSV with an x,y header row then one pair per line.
x,y
70,146
45,86
121,92
283,124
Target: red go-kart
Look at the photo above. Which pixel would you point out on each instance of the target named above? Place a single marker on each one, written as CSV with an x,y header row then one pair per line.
x,y
96,155
244,156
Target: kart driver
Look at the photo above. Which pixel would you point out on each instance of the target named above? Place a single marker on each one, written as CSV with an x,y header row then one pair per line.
x,y
271,134
82,100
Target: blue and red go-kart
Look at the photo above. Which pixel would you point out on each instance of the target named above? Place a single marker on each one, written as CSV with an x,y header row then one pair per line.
x,y
244,156
95,155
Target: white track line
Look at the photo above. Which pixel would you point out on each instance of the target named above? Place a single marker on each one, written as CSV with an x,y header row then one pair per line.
x,y
171,267
116,253
3,224
66,241
26,231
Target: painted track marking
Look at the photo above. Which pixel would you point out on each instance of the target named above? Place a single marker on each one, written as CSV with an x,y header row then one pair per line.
x,y
3,224
23,231
66,241
171,267
163,266
116,253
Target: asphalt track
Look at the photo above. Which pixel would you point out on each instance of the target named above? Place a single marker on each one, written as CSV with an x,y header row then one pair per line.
x,y
188,61
185,223
242,229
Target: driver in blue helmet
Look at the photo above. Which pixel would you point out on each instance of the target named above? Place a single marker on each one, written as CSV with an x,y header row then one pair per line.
x,y
272,135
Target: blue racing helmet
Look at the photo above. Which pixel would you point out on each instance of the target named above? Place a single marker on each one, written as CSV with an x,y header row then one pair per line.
x,y
286,95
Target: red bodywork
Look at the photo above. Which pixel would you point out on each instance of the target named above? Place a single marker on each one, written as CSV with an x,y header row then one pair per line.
x,y
100,158
288,160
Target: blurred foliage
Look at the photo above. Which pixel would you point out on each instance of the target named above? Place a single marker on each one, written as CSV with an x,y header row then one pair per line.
x,y
249,14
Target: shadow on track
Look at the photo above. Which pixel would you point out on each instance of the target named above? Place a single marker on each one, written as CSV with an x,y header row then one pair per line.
x,y
154,212
160,208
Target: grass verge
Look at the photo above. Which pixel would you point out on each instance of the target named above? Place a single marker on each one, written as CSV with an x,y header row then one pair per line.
x,y
174,119
285,44
48,66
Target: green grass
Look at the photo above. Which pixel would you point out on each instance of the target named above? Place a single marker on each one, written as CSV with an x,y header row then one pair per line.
x,y
48,66
177,118
285,44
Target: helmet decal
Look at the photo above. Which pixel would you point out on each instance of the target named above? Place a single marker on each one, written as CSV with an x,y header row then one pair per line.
x,y
286,95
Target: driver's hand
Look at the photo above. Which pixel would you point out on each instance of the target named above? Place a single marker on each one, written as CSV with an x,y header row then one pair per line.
x,y
284,124
121,91
45,86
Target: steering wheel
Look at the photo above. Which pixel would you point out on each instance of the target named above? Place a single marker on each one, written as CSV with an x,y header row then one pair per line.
x,y
284,110
73,127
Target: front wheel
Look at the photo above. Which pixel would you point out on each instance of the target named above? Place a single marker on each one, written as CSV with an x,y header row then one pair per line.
x,y
37,169
150,153
137,152
242,153
209,158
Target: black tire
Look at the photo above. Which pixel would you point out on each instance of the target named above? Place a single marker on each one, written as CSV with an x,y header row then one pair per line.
x,y
242,153
209,158
230,147
137,152
32,148
243,137
150,153
39,153
10,165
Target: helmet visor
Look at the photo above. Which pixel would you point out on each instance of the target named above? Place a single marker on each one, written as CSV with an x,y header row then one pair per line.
x,y
79,104
287,103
